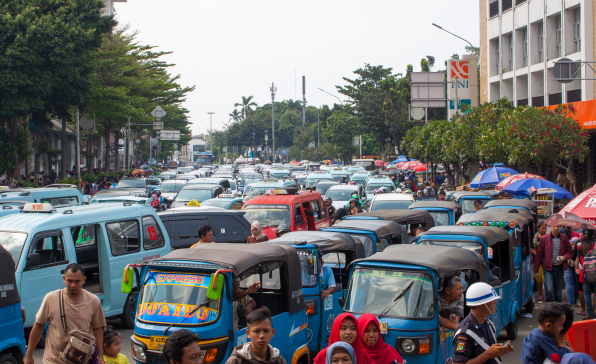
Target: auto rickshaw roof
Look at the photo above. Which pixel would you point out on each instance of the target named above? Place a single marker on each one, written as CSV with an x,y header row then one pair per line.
x,y
402,217
489,234
450,205
457,194
326,241
489,215
441,259
525,203
379,227
504,210
8,279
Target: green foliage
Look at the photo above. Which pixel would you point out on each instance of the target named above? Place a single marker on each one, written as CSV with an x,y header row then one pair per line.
x,y
70,180
340,130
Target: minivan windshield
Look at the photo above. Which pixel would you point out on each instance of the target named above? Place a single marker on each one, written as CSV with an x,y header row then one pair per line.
x,y
166,297
131,183
13,242
391,205
269,215
467,204
378,292
372,187
192,194
173,186
311,181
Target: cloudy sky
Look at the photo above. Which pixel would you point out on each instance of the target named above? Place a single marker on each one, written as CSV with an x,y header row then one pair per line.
x,y
233,48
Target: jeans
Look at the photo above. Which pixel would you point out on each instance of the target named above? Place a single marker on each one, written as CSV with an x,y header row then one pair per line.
x,y
553,284
589,288
571,282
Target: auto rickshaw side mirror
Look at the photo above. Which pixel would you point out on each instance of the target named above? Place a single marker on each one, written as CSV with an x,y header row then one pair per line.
x,y
310,267
214,290
445,313
127,280
496,271
34,260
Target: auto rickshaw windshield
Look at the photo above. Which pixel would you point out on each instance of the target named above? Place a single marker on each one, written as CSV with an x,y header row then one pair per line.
x,y
441,217
13,242
306,257
168,296
470,245
394,293
467,205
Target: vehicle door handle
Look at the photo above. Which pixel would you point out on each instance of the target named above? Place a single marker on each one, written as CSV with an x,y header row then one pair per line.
x,y
63,271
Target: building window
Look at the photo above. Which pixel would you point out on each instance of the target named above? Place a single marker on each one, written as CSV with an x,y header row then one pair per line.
x,y
507,4
576,30
511,55
493,9
517,2
558,37
541,41
525,50
499,58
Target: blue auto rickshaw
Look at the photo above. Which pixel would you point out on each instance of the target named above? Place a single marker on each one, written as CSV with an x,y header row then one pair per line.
x,y
466,199
443,212
401,287
520,226
409,219
12,335
523,206
338,251
194,289
376,235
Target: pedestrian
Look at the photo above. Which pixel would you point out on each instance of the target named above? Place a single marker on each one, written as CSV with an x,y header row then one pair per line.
x,y
330,208
257,234
570,277
539,281
281,230
546,341
345,328
451,297
205,235
577,263
181,347
588,272
340,353
412,235
112,341
372,341
259,331
553,252
439,179
82,311
475,340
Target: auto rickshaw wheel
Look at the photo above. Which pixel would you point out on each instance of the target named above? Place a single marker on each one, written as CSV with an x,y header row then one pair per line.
x,y
529,306
7,358
512,330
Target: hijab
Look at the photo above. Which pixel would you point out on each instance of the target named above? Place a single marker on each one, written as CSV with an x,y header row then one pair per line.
x,y
361,356
577,358
341,345
381,353
260,236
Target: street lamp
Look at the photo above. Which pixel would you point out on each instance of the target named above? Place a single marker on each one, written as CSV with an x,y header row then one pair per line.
x,y
440,27
342,103
211,129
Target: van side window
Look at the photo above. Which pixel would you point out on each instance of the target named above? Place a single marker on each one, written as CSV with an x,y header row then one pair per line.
x,y
124,237
61,201
323,210
83,235
316,210
236,205
226,225
50,249
298,212
152,235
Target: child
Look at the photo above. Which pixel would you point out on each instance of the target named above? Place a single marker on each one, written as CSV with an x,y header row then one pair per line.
x,y
373,343
345,328
258,351
341,353
111,347
546,341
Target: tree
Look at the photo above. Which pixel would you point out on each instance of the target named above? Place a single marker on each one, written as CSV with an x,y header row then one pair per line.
x,y
246,106
340,130
235,116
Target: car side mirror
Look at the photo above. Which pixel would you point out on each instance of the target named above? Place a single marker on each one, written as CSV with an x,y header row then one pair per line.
x,y
298,220
445,313
34,260
363,198
310,267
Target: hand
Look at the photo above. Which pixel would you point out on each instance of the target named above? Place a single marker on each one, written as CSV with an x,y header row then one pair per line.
x,y
508,347
29,359
536,276
101,361
254,287
248,309
324,294
497,350
453,318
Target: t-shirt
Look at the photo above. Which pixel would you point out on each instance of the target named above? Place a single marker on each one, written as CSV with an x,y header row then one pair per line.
x,y
245,301
121,359
327,278
556,250
86,314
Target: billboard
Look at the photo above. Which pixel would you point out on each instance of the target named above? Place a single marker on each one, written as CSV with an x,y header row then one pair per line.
x,y
462,75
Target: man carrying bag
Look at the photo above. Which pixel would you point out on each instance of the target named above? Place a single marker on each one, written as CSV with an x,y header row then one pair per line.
x,y
72,313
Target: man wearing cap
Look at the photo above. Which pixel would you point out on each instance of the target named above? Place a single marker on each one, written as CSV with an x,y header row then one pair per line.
x,y
475,340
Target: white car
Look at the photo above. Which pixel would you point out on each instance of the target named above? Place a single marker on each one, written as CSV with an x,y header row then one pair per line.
x,y
391,201
342,194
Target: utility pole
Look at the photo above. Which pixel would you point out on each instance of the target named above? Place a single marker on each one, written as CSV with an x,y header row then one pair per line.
x,y
211,129
266,140
273,89
78,151
303,100
318,127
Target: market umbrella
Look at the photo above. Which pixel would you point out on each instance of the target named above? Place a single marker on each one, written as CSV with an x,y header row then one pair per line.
x,y
420,168
144,166
491,177
379,163
294,163
511,179
138,171
327,161
409,165
401,158
525,186
584,205
569,219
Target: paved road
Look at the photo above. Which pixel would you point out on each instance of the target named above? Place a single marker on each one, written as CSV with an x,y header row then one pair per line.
x,y
525,325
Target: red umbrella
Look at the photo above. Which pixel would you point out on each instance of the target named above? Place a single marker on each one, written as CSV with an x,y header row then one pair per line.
x,y
410,165
584,205
568,219
378,163
511,179
420,168
138,171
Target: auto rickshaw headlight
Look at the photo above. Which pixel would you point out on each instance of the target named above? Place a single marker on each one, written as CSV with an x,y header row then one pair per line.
x,y
138,353
424,346
408,346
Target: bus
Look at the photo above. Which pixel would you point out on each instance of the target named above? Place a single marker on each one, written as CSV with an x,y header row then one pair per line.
x,y
203,158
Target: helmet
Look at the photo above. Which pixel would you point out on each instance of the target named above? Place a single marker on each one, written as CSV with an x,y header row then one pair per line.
x,y
399,190
158,193
408,191
328,199
480,293
355,201
282,229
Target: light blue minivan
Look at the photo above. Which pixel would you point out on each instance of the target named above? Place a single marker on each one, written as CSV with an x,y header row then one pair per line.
x,y
103,238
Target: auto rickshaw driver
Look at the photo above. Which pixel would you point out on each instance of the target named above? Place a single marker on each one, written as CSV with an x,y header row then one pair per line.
x,y
242,297
451,297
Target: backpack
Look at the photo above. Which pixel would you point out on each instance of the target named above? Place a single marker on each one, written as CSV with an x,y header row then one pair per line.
x,y
589,267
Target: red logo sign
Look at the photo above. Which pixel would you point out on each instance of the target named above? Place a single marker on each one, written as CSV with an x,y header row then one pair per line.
x,y
459,69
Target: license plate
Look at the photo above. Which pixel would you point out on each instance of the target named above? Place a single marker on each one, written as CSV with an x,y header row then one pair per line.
x,y
157,342
383,327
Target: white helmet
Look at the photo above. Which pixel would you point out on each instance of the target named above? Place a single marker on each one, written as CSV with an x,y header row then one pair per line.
x,y
480,293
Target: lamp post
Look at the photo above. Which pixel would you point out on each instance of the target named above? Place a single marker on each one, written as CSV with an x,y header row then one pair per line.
x,y
455,35
211,129
342,103
273,89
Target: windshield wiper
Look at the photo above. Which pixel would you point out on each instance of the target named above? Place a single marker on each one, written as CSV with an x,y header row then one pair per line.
x,y
190,314
396,299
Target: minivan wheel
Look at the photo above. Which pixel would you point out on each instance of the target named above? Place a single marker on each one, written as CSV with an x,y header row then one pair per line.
x,y
512,330
7,359
128,314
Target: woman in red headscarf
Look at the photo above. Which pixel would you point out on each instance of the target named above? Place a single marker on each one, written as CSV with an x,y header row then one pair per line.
x,y
372,341
345,328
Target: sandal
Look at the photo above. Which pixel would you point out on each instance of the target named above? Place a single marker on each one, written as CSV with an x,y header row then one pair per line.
x,y
540,298
581,313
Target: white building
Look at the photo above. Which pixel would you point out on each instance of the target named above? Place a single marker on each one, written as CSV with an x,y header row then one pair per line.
x,y
196,144
520,40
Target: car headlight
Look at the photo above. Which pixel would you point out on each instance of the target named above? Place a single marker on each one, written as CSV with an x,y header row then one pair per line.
x,y
408,346
138,353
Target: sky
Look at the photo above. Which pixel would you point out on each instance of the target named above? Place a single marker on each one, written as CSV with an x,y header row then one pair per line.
x,y
233,48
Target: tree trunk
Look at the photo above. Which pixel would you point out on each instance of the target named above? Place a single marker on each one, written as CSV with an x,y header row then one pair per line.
x,y
107,143
37,154
116,150
89,154
63,157
571,178
15,173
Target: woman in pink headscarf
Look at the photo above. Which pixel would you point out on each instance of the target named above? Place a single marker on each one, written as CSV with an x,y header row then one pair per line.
x,y
257,234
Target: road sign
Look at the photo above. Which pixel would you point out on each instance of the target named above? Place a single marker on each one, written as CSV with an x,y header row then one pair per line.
x,y
565,70
356,140
417,113
169,135
85,123
428,89
158,113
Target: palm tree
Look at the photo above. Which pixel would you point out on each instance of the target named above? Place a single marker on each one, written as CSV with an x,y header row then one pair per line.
x,y
235,116
246,106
